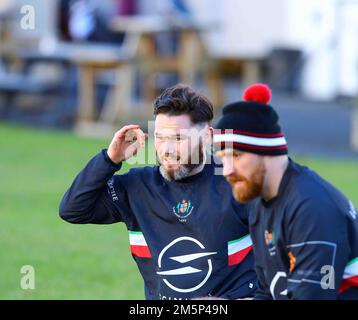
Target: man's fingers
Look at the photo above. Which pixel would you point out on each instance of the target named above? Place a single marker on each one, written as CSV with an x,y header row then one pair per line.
x,y
132,150
120,133
140,137
135,135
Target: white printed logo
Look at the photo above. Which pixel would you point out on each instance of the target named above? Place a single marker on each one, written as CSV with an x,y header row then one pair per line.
x,y
278,275
183,259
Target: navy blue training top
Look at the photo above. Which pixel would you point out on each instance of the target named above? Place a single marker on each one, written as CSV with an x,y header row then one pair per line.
x,y
305,240
189,238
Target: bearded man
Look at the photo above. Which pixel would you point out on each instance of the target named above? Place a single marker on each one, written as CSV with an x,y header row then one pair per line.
x,y
304,230
187,234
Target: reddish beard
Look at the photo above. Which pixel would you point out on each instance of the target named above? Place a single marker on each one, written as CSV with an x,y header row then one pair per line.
x,y
250,187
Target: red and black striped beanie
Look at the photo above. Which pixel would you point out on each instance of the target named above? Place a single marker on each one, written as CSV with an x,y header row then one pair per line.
x,y
251,125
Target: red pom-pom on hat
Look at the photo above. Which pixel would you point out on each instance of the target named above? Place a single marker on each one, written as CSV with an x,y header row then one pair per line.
x,y
257,92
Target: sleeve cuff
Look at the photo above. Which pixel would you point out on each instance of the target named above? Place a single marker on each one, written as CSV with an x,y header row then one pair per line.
x,y
115,166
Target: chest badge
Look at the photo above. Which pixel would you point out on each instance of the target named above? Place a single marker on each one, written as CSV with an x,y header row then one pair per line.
x,y
183,210
270,242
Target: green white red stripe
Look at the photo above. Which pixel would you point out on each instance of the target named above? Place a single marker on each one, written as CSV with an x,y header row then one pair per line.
x,y
139,246
238,249
350,276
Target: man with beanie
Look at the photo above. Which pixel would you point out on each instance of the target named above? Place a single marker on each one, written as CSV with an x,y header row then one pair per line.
x,y
304,231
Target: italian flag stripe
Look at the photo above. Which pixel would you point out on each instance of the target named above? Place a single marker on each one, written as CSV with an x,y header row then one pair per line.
x,y
239,249
138,245
350,276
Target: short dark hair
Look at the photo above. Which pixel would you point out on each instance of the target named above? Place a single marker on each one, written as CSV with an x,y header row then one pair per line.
x,y
182,99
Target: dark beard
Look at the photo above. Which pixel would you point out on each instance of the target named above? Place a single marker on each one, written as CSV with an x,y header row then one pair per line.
x,y
184,170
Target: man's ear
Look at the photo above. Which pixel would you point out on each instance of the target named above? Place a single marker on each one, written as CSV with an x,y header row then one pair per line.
x,y
209,135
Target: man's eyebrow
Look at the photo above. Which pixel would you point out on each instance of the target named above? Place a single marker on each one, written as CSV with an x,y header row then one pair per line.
x,y
174,135
228,152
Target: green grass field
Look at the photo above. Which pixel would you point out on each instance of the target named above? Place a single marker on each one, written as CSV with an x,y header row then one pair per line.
x,y
75,261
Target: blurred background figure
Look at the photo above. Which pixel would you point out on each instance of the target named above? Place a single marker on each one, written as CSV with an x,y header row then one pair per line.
x,y
87,20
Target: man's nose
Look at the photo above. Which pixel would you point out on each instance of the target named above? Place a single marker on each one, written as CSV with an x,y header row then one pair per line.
x,y
228,166
169,147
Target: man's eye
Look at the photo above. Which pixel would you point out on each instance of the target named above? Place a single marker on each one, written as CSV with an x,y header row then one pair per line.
x,y
176,138
183,138
173,139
